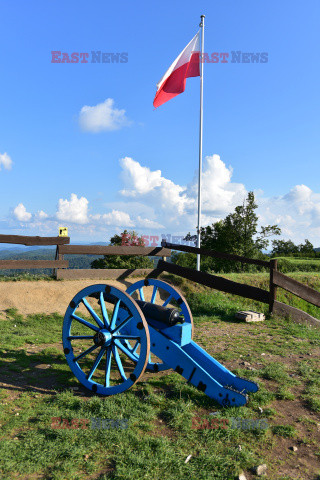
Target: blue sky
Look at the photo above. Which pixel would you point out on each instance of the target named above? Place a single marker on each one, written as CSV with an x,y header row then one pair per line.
x,y
138,171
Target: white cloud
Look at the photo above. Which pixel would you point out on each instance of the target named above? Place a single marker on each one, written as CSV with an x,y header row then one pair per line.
x,y
219,194
141,181
74,210
5,161
102,117
147,223
21,213
116,218
41,215
297,213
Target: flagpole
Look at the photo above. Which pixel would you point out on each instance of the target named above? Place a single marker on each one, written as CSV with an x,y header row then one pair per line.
x,y
200,139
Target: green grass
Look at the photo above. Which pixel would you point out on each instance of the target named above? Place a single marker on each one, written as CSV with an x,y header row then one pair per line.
x,y
30,277
287,431
162,407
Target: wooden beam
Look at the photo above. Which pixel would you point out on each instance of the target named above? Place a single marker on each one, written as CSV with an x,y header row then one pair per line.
x,y
218,283
272,286
297,288
29,241
102,273
113,250
298,316
213,253
26,264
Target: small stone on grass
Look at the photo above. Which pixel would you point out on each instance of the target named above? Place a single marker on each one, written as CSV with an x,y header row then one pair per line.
x,y
260,469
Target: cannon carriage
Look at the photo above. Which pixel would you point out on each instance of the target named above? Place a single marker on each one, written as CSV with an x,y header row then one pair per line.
x,y
110,352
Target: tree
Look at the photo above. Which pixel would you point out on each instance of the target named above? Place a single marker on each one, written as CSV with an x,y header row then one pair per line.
x,y
307,248
124,261
288,249
236,234
283,247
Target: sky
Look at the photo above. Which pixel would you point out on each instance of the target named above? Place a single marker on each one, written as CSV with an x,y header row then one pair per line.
x,y
81,145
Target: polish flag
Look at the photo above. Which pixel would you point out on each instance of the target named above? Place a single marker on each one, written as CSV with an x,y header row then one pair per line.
x,y
186,65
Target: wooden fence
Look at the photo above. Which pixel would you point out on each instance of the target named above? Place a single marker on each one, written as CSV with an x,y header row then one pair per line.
x,y
110,273
33,241
60,266
276,279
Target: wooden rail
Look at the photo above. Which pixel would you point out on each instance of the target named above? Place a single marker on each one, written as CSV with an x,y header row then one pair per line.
x,y
297,315
113,250
213,253
33,241
218,283
297,288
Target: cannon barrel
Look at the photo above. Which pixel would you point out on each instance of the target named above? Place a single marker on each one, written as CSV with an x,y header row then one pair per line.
x,y
168,316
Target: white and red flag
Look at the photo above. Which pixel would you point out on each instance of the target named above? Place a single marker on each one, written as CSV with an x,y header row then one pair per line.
x,y
186,65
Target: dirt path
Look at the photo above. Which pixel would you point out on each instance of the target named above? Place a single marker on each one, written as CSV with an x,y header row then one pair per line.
x,y
46,297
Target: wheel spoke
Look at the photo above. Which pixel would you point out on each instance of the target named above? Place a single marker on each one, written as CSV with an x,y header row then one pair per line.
x,y
135,347
118,362
125,350
96,363
154,294
119,327
84,322
92,313
78,337
83,354
104,311
167,301
107,368
141,294
115,314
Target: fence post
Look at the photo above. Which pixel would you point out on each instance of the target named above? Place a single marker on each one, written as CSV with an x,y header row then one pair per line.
x,y
58,256
272,288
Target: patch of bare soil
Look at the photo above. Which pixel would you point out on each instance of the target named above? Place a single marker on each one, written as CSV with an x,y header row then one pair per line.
x,y
47,297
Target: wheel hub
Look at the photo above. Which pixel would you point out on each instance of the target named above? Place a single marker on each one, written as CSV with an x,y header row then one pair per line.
x,y
102,338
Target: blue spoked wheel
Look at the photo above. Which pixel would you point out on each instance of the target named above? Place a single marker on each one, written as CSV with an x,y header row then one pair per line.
x,y
161,293
101,348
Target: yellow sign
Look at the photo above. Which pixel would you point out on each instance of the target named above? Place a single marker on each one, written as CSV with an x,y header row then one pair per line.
x,y
63,232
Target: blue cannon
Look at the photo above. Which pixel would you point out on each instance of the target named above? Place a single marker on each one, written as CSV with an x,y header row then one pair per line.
x,y
110,337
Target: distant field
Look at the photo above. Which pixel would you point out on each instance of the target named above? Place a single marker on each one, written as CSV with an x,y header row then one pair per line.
x,y
315,261
292,264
